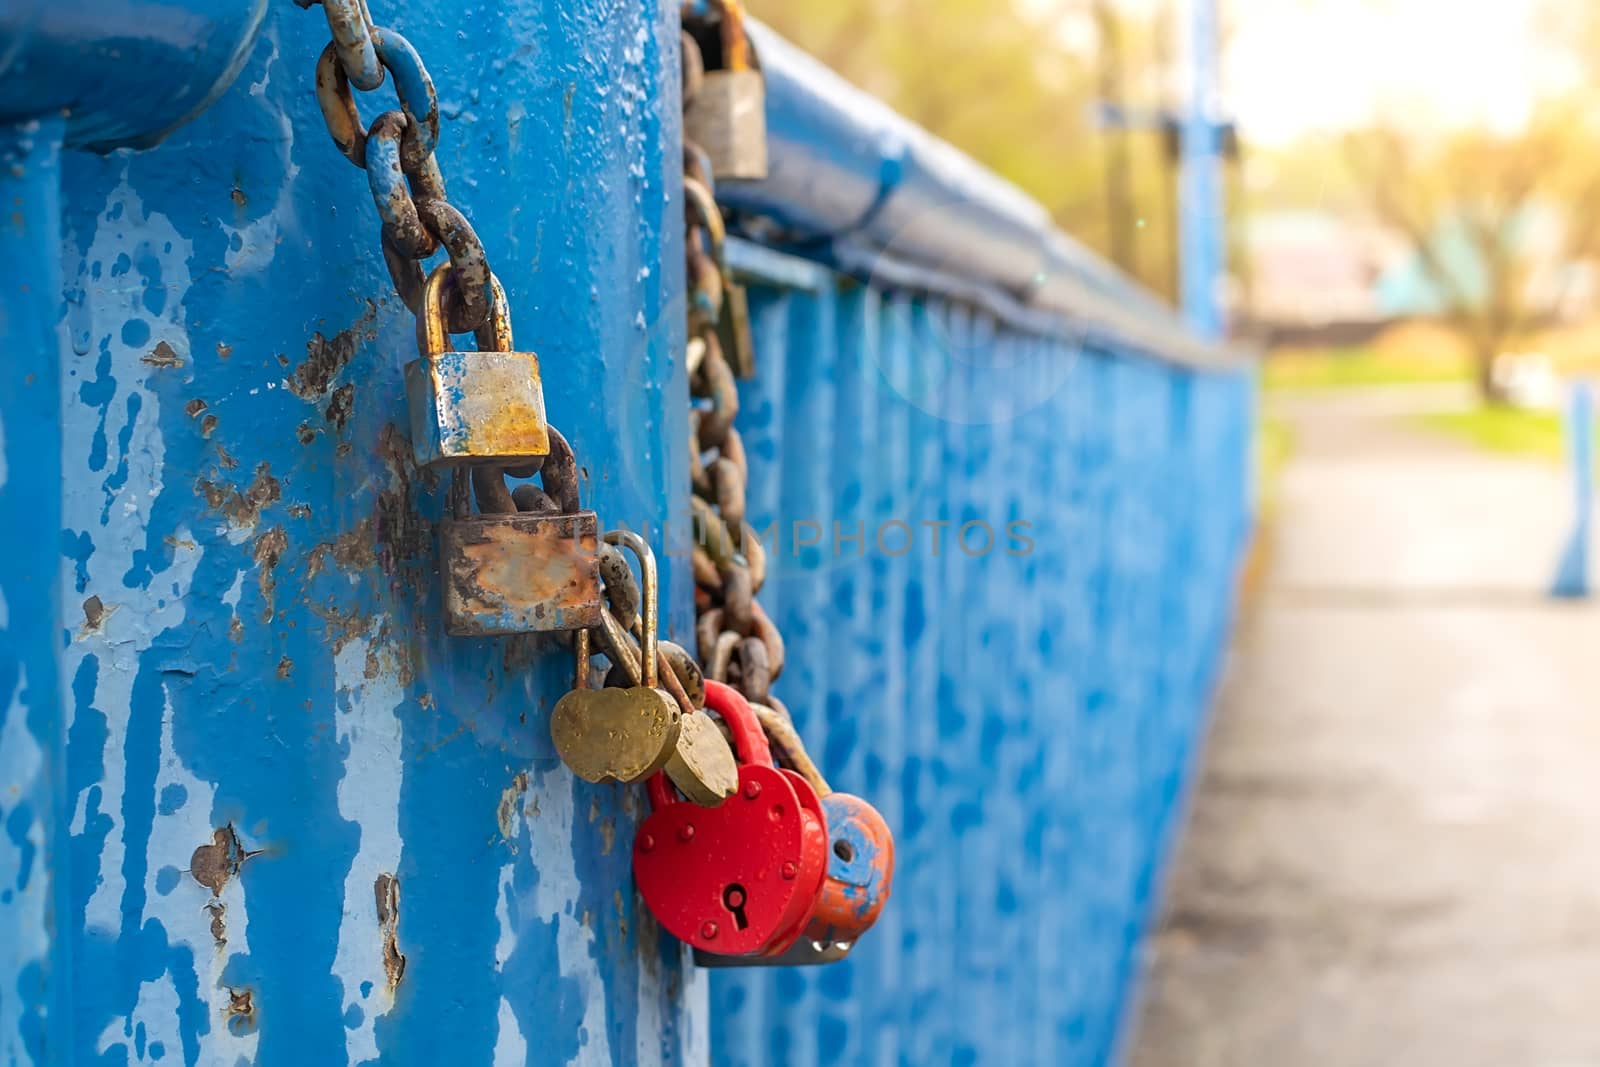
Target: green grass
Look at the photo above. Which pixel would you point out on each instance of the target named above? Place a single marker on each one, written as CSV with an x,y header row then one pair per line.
x,y
1539,434
1274,446
1353,367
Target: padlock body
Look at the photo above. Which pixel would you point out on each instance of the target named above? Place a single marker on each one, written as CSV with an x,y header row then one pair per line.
x,y
813,866
728,118
476,407
733,331
860,870
686,859
515,574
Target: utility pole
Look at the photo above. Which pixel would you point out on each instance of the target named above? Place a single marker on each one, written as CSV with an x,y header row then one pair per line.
x,y
1118,170
1203,244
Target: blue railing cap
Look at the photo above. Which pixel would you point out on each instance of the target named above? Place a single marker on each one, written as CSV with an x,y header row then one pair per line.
x,y
874,193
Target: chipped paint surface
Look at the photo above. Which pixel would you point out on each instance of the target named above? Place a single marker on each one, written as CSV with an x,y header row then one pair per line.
x,y
276,787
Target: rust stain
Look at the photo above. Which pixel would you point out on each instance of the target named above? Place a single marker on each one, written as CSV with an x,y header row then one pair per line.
x,y
214,864
94,613
305,433
386,890
403,535
269,549
535,571
327,356
240,1013
194,407
219,926
509,801
352,550
340,406
608,835
163,355
208,426
285,668
235,630
342,627
512,429
224,351
242,507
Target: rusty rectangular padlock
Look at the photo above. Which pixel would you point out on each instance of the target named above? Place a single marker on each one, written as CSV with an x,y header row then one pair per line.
x,y
508,570
473,407
728,119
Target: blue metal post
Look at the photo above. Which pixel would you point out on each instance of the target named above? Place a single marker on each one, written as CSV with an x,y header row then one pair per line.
x,y
1203,236
1572,578
33,805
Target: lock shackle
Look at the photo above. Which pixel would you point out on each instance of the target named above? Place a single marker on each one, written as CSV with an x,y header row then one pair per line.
x,y
581,651
650,589
433,334
702,205
736,53
749,743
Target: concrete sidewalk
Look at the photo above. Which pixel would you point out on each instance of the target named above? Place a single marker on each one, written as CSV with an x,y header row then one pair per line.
x,y
1394,857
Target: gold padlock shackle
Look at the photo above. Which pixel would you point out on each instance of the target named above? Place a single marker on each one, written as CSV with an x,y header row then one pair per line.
x,y
650,587
494,335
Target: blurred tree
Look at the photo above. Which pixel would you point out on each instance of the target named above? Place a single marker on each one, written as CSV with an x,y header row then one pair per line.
x,y
1465,203
1013,83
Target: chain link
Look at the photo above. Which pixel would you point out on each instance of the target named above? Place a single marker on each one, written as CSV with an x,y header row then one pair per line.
x,y
738,643
397,153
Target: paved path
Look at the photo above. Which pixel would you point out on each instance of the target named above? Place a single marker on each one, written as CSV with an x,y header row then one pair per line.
x,y
1394,857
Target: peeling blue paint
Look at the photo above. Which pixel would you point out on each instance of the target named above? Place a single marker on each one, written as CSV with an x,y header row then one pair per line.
x,y
242,577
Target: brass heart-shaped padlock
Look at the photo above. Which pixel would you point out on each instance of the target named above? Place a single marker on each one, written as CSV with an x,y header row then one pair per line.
x,y
702,764
613,735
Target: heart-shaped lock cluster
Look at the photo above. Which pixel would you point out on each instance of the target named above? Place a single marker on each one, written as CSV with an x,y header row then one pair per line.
x,y
742,878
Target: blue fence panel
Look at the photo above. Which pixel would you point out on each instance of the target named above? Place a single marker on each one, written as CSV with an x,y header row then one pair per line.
x,y
1025,711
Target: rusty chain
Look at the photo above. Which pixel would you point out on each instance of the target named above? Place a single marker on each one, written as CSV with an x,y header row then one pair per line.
x,y
738,643
397,153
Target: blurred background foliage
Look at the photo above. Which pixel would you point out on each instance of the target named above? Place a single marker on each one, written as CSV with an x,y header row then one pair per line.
x,y
1014,83
1487,233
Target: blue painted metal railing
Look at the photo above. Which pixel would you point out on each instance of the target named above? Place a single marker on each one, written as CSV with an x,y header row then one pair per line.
x,y
1023,708
220,627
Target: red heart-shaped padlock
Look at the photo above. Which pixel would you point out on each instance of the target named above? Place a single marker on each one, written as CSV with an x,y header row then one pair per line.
x,y
813,866
728,879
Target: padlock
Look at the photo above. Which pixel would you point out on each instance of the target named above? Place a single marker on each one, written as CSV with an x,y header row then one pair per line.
x,y
505,571
860,844
702,766
814,873
733,316
860,870
476,407
734,879
727,113
614,735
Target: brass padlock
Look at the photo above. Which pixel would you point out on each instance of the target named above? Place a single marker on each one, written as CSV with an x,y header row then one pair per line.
x,y
485,406
622,734
727,115
506,571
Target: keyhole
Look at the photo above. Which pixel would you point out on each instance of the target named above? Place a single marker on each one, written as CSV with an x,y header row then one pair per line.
x,y
733,900
842,849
